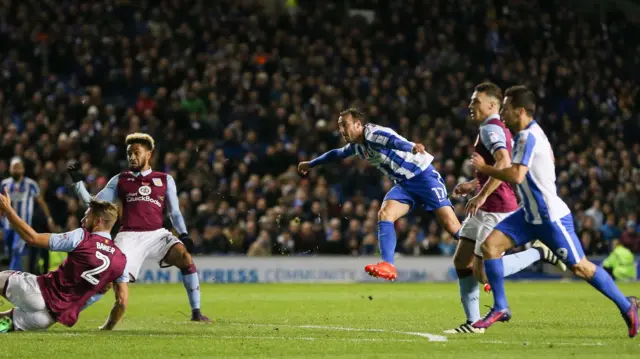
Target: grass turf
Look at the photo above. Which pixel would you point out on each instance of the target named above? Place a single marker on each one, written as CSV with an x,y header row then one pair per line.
x,y
554,320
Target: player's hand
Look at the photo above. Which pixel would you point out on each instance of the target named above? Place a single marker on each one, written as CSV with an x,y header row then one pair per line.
x,y
303,167
477,161
418,148
187,241
74,172
5,200
463,189
474,204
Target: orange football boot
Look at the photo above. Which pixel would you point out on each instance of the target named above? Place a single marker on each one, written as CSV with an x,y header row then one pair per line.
x,y
384,270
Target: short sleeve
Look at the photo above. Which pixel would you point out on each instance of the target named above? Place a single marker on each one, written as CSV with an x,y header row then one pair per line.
x,y
493,137
124,278
524,149
66,242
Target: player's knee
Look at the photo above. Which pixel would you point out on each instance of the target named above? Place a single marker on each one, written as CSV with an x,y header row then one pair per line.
x,y
584,269
386,215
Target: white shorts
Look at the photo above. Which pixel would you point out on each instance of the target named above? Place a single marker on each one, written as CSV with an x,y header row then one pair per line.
x,y
30,312
138,246
477,228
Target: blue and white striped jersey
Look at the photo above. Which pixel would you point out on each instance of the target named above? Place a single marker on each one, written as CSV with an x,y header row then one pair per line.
x,y
22,195
386,150
538,191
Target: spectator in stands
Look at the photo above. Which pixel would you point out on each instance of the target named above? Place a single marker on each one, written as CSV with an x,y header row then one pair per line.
x,y
235,96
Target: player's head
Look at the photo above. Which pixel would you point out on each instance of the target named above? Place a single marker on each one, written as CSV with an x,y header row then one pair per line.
x,y
100,216
485,101
139,149
16,168
518,107
351,124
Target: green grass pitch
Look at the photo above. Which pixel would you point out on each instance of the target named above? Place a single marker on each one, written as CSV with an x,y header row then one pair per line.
x,y
398,320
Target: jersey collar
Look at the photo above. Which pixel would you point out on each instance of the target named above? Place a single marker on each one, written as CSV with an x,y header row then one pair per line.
x,y
495,116
144,173
533,122
103,234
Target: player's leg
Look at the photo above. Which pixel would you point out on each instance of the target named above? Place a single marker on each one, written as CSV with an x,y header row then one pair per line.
x,y
513,263
467,285
4,281
563,239
177,255
30,312
395,205
514,230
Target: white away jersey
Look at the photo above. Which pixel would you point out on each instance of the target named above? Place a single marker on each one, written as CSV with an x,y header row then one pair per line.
x,y
538,190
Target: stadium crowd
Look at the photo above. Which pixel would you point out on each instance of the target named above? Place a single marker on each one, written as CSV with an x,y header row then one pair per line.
x,y
235,96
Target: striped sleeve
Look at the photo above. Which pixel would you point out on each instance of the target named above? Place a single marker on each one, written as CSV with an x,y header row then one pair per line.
x,y
387,139
493,137
523,151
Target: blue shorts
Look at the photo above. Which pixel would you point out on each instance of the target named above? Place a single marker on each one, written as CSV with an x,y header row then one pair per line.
x,y
559,235
426,189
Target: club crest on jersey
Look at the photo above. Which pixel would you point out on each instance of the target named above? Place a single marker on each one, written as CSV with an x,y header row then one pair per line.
x,y
157,182
144,190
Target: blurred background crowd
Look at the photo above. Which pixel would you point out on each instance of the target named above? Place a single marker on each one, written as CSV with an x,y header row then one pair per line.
x,y
237,92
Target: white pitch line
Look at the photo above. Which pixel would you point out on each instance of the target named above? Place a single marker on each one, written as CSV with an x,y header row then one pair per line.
x,y
431,337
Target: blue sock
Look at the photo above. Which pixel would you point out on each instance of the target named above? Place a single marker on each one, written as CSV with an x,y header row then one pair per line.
x,y
469,295
605,285
96,297
494,270
387,240
192,285
514,263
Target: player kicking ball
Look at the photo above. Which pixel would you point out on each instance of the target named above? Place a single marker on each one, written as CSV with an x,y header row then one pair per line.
x,y
93,264
417,183
494,202
544,215
144,194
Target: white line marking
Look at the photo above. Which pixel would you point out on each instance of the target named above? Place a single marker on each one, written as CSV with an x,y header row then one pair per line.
x,y
431,337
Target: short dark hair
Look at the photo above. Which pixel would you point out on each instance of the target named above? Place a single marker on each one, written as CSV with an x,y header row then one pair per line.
x,y
142,139
521,96
354,113
490,89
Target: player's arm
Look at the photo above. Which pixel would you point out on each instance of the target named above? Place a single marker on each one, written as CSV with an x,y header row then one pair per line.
x,y
58,242
517,172
177,220
121,290
327,157
496,142
109,193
